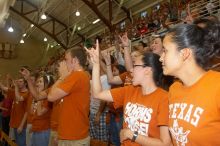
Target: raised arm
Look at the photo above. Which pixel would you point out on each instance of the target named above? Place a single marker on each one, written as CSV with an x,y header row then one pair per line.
x,y
3,87
116,80
37,95
17,94
96,83
127,53
55,92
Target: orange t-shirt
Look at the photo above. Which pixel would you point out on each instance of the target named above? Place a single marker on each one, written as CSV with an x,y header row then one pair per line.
x,y
7,103
194,118
41,123
18,110
54,119
11,93
126,78
29,111
142,113
74,109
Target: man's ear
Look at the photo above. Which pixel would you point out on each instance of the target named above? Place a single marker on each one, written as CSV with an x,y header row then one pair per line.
x,y
186,53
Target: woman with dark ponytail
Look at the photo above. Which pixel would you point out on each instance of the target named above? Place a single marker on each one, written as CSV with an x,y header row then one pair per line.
x,y
194,102
145,104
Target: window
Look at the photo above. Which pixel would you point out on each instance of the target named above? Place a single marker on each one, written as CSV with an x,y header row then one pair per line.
x,y
122,25
144,14
156,7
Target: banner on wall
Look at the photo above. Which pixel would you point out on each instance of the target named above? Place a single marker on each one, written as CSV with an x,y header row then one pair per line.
x,y
7,51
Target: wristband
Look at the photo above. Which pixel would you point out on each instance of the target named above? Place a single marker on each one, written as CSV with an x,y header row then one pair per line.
x,y
134,136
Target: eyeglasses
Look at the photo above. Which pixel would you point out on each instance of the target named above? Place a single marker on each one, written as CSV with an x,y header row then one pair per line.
x,y
142,65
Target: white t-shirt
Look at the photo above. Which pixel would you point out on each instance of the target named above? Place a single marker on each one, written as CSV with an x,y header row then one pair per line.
x,y
94,102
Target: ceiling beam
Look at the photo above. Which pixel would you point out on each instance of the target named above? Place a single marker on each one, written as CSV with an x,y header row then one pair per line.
x,y
95,9
39,27
60,22
127,11
55,22
110,10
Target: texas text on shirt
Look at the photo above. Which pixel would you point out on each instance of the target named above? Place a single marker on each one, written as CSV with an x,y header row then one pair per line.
x,y
142,113
195,112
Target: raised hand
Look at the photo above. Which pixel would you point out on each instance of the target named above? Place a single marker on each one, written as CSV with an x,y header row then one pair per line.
x,y
107,58
8,77
124,39
15,83
189,18
25,73
63,70
94,53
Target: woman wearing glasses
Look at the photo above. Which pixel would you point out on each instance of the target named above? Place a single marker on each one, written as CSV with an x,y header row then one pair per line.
x,y
145,104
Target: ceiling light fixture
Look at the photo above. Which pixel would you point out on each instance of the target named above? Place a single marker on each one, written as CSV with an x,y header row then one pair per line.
x,y
10,29
45,39
79,28
22,41
24,34
32,25
43,16
97,20
77,13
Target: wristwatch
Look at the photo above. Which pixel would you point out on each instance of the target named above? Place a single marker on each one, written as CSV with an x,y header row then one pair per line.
x,y
134,136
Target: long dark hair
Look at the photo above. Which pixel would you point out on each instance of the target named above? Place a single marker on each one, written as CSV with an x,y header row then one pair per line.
x,y
205,42
48,80
152,60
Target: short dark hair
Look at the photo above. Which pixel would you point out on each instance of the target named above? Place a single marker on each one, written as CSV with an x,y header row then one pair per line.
x,y
160,36
25,82
48,80
80,54
142,43
120,68
205,22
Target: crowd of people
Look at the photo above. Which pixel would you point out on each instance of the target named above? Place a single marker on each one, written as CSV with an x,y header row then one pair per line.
x,y
158,94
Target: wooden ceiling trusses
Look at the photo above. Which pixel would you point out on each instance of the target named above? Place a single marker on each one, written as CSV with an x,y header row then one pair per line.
x,y
59,31
94,7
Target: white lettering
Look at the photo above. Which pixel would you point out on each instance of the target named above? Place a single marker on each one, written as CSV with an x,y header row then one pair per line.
x,y
138,117
188,114
176,105
198,112
182,107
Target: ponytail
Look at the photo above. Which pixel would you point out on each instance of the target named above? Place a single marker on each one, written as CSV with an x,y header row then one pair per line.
x,y
203,41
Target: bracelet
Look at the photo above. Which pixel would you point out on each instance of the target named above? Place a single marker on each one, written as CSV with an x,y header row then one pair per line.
x,y
108,64
125,46
134,136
